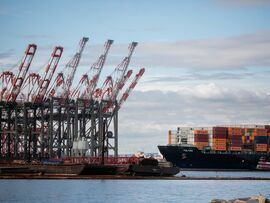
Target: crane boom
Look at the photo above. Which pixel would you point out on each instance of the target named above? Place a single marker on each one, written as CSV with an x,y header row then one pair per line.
x,y
131,87
58,81
95,71
71,67
106,93
40,92
29,85
76,93
120,71
15,89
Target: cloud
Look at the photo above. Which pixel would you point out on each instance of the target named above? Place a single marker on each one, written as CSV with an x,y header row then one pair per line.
x,y
222,53
147,116
6,54
200,76
6,60
238,52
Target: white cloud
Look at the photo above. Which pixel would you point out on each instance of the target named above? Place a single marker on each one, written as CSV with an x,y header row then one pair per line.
x,y
223,53
147,116
234,52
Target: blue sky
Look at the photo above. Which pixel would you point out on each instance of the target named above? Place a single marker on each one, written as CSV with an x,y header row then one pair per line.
x,y
65,21
207,61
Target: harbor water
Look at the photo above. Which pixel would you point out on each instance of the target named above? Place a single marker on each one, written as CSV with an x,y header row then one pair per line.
x,y
135,190
227,174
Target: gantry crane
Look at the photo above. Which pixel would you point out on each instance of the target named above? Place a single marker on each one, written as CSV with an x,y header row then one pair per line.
x,y
95,71
107,88
71,67
33,123
40,92
29,84
115,82
130,88
13,92
65,78
58,82
120,71
87,84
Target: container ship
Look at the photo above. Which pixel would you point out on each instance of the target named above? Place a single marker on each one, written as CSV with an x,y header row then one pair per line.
x,y
218,147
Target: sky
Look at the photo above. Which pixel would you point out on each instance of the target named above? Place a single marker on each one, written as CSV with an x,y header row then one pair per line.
x,y
207,61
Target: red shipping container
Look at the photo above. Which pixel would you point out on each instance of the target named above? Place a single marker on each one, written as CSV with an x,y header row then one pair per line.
x,y
267,127
220,136
231,136
200,139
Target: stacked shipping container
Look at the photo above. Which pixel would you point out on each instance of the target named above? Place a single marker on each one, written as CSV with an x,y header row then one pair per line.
x,y
201,138
219,139
257,136
235,139
260,140
227,138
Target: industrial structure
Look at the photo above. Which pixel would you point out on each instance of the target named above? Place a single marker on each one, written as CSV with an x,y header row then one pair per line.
x,y
47,115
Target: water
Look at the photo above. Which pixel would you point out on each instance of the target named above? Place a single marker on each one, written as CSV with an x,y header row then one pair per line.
x,y
233,174
133,190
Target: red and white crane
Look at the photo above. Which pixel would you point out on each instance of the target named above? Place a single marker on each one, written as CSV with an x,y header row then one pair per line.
x,y
131,87
14,90
76,93
65,78
58,82
29,84
71,67
106,91
88,83
40,92
115,82
118,75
